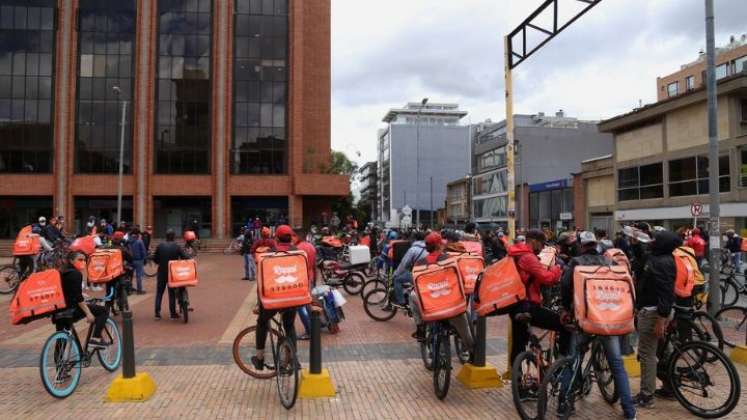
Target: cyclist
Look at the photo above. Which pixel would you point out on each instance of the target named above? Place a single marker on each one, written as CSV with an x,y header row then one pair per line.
x,y
72,281
165,252
590,256
118,242
734,245
534,276
284,235
403,273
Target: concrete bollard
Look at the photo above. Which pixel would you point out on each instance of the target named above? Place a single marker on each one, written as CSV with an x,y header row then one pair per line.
x,y
315,381
130,386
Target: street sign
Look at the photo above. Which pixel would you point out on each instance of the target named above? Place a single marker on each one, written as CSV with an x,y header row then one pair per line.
x,y
696,209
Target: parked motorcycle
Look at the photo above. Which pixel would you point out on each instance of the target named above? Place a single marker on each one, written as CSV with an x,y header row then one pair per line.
x,y
335,273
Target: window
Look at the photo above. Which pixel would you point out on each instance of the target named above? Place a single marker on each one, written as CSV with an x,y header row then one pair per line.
x,y
106,59
743,167
690,83
260,143
27,45
492,159
740,64
743,105
494,207
492,183
689,176
722,71
638,183
672,89
182,138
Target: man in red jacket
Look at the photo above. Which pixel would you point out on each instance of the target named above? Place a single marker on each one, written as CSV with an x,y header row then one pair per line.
x,y
535,276
697,243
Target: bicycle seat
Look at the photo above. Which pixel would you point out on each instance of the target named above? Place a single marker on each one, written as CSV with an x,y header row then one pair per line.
x,y
683,309
64,315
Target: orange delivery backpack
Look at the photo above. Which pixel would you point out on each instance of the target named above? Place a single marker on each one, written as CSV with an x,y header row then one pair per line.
x,y
547,256
182,273
37,297
470,266
472,247
85,244
604,300
688,272
617,256
104,265
283,279
743,244
26,243
439,289
498,288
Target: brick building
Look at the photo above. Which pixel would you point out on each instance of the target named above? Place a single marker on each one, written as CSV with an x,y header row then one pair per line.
x,y
228,111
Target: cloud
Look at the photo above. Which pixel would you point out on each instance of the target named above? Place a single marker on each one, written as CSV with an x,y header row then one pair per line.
x,y
389,52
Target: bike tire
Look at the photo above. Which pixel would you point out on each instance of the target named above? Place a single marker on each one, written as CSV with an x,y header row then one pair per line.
x,y
184,304
729,292
732,321
9,279
243,348
442,366
550,390
353,283
603,374
378,298
526,382
60,342
426,350
150,268
710,327
286,372
371,284
112,337
690,370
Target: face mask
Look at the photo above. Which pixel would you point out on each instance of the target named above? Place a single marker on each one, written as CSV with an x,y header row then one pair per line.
x,y
80,265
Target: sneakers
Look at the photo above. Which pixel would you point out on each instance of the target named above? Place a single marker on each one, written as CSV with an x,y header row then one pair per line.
x,y
258,363
664,393
96,288
157,317
566,410
419,334
644,401
304,337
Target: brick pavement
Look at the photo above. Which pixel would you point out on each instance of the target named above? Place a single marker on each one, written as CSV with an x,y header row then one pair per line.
x,y
375,366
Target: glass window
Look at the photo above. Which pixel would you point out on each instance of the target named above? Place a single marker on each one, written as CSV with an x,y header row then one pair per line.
x,y
106,36
690,82
260,143
494,207
182,137
26,55
492,159
689,176
492,183
639,183
673,88
740,64
722,71
743,168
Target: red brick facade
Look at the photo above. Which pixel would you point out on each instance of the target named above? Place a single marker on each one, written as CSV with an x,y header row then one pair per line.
x,y
308,190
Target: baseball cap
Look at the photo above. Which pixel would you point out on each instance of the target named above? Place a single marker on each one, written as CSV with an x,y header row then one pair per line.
x,y
433,238
587,237
118,235
283,230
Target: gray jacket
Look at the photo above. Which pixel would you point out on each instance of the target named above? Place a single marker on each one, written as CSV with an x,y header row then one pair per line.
x,y
416,251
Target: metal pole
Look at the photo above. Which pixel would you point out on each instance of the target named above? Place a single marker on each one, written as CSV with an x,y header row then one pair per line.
x,y
511,204
128,346
520,154
417,169
121,161
714,231
431,208
315,349
478,356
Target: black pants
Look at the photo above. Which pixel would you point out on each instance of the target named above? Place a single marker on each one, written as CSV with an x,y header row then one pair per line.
x,y
99,312
161,287
263,325
541,318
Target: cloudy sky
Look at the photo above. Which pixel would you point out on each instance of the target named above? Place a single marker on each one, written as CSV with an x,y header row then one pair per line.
x,y
388,52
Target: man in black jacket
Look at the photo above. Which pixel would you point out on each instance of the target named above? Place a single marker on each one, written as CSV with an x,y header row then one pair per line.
x,y
655,297
72,289
165,252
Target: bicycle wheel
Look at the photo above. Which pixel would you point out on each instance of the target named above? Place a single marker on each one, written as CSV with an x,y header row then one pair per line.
x,y
710,327
709,389
59,365
554,398
9,279
374,283
733,323
286,372
463,354
729,292
184,304
603,374
375,304
353,283
526,380
426,349
111,356
150,268
244,348
442,366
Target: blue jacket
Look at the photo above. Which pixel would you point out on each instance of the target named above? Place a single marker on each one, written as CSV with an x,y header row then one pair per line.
x,y
138,249
416,251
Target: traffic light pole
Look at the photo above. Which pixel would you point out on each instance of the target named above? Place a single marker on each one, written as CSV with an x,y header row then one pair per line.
x,y
510,179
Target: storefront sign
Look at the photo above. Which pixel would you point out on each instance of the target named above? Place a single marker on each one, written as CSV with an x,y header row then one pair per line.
x,y
566,216
549,186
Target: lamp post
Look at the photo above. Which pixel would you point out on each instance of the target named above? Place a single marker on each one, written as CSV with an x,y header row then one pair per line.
x,y
118,93
417,163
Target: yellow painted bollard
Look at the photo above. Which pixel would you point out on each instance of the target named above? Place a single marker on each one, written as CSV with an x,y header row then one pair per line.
x,y
479,374
130,386
315,381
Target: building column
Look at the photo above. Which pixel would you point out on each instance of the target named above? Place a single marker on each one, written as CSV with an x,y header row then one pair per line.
x,y
222,57
64,106
142,109
295,210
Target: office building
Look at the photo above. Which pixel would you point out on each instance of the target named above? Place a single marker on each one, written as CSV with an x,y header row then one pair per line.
x,y
369,188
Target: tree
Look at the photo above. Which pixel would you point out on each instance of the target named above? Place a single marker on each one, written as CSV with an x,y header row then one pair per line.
x,y
339,164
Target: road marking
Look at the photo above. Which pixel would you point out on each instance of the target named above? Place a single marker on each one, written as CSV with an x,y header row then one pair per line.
x,y
243,318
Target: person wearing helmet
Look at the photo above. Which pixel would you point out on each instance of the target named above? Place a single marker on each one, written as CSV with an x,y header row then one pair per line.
x,y
698,244
588,255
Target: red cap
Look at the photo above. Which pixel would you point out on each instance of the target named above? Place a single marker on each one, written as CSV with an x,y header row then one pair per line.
x,y
118,235
189,236
283,230
434,239
696,231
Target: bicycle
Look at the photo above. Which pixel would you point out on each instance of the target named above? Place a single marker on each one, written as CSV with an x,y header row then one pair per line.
x,y
379,304
11,275
571,378
150,267
61,360
182,302
529,369
731,289
733,323
436,353
283,366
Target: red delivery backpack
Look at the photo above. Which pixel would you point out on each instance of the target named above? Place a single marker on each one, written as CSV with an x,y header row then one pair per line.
x,y
182,273
617,256
688,272
104,265
498,288
439,289
470,266
85,244
547,256
473,247
37,297
604,300
26,243
283,279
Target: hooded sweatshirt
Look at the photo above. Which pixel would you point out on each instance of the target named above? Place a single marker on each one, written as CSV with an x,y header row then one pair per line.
x,y
415,253
533,274
655,288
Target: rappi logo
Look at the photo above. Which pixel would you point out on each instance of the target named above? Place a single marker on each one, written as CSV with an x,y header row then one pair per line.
x,y
98,266
471,274
182,272
608,298
285,274
438,289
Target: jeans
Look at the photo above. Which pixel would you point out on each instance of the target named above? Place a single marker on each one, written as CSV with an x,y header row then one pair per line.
x,y
399,291
263,321
162,286
647,345
612,350
139,271
736,259
303,313
249,268
541,318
